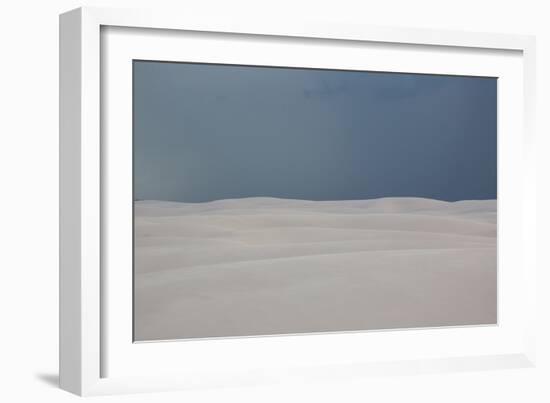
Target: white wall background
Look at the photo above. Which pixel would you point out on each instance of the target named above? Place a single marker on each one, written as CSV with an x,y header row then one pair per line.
x,y
28,197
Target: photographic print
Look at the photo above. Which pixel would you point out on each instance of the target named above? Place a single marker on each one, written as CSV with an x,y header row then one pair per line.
x,y
275,200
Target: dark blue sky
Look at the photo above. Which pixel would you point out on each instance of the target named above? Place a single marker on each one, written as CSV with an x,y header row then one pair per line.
x,y
208,132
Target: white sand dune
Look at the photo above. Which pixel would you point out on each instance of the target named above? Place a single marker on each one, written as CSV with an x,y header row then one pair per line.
x,y
261,266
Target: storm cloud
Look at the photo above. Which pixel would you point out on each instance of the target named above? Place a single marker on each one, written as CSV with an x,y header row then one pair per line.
x,y
204,132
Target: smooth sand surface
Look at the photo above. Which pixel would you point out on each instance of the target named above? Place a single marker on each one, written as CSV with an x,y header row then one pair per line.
x,y
260,266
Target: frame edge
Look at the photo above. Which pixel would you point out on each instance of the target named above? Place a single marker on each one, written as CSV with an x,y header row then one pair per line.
x,y
70,119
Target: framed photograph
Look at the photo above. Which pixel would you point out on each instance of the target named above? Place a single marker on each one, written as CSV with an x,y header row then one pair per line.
x,y
249,202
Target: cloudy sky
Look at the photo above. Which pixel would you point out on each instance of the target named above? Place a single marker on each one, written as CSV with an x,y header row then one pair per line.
x,y
208,132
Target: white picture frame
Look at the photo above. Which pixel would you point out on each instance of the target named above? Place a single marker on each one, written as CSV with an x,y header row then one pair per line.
x,y
96,354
